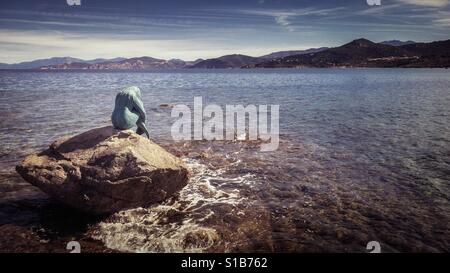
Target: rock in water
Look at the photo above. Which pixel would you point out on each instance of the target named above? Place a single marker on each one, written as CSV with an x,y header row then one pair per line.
x,y
105,170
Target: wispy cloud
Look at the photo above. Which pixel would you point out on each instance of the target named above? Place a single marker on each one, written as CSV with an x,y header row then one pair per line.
x,y
442,18
378,9
16,46
427,3
112,20
420,14
287,19
36,43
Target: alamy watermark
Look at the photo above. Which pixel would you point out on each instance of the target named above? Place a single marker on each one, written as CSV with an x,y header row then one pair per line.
x,y
374,247
373,2
237,122
78,2
73,2
74,247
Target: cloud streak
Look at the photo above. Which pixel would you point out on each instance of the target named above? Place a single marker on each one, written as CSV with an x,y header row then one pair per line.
x,y
287,18
427,3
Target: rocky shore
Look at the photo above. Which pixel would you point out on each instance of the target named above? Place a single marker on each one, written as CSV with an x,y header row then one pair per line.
x,y
104,170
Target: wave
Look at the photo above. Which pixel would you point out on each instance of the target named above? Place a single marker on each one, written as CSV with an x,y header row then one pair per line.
x,y
181,223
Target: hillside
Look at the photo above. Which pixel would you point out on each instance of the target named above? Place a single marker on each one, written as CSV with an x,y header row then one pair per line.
x,y
40,62
364,53
281,54
397,42
228,61
127,64
69,61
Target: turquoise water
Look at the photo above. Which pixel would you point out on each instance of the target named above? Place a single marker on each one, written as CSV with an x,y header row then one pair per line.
x,y
364,155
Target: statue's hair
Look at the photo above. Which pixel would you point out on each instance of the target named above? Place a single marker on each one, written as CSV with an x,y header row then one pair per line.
x,y
134,89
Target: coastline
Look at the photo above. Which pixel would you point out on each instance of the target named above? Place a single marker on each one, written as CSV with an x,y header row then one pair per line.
x,y
203,70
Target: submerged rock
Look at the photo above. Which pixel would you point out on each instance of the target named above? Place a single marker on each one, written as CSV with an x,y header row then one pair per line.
x,y
105,170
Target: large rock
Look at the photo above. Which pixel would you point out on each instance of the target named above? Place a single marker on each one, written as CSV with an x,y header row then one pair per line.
x,y
105,170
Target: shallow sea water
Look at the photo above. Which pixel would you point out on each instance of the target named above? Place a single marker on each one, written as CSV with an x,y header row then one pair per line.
x,y
364,155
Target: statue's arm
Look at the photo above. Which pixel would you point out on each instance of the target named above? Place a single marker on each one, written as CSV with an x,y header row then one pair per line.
x,y
139,106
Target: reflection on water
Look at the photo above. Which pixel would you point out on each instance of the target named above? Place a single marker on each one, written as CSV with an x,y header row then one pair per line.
x,y
364,155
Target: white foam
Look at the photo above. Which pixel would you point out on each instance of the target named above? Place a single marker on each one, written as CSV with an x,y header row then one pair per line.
x,y
149,230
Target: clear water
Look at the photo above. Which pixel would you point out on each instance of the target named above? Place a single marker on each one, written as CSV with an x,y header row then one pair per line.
x,y
364,155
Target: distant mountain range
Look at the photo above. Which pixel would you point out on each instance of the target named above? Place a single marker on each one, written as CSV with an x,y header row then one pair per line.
x,y
281,54
228,61
364,53
131,63
358,53
239,60
54,61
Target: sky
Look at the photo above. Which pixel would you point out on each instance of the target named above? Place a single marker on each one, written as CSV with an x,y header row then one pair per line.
x,y
190,29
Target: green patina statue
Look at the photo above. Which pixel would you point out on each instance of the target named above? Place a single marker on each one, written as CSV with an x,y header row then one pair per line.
x,y
129,111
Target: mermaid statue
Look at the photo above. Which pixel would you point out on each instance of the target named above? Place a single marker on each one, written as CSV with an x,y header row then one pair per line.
x,y
129,111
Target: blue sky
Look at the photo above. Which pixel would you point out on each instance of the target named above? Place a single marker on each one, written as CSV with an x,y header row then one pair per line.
x,y
193,29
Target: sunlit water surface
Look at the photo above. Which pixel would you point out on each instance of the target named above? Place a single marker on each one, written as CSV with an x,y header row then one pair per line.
x,y
364,156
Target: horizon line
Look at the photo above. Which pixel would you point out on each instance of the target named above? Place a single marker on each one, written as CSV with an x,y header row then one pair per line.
x,y
218,56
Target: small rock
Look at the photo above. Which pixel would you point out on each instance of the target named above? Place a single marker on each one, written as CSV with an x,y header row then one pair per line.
x,y
166,105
